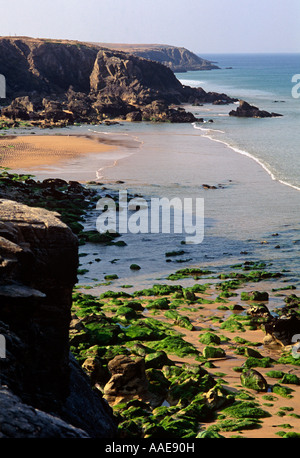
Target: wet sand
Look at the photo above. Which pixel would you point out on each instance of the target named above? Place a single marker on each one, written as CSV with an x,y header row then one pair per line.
x,y
75,156
34,152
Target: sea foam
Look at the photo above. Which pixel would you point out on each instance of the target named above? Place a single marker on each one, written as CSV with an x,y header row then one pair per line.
x,y
266,167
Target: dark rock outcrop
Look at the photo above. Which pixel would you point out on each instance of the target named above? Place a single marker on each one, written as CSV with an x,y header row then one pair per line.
x,y
283,329
40,382
63,82
22,421
245,110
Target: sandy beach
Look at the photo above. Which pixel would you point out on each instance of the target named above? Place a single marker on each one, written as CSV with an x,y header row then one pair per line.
x,y
32,152
41,152
73,156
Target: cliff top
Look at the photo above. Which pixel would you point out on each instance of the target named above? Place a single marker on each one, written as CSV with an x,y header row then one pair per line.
x,y
177,58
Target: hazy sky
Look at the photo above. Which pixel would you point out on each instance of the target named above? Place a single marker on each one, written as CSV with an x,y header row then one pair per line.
x,y
203,26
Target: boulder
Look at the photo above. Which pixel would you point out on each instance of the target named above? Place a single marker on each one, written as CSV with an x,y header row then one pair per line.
x,y
128,380
292,301
282,329
99,375
258,310
255,296
23,108
134,116
210,352
254,380
209,338
157,360
245,110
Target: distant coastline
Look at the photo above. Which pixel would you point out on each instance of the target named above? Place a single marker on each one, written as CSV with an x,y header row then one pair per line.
x,y
178,59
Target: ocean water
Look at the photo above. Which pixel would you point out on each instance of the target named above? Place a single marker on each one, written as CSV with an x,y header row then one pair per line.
x,y
264,80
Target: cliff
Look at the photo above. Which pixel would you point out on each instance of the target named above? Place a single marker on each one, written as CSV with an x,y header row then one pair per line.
x,y
43,390
178,59
67,82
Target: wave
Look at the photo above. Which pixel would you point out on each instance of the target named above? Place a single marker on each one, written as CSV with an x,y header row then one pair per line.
x,y
233,91
244,92
191,83
205,129
99,132
267,168
99,171
289,184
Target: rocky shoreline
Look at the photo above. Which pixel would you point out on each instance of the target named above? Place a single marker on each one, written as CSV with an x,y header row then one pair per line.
x,y
173,361
57,83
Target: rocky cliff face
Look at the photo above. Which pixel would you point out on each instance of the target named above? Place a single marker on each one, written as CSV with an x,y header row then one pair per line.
x,y
44,391
45,66
178,59
69,82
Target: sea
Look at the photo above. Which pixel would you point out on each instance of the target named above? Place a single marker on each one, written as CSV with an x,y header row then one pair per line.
x,y
268,81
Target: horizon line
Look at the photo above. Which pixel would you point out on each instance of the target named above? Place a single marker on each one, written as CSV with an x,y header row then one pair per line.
x,y
149,44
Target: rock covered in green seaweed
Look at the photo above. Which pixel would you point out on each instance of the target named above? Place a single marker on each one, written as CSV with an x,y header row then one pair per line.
x,y
254,380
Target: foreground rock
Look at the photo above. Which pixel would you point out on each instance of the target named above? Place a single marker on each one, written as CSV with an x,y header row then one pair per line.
x,y
254,380
19,420
40,382
283,330
245,110
128,380
70,199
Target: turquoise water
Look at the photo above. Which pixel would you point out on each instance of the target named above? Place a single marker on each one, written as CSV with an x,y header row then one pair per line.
x,y
264,81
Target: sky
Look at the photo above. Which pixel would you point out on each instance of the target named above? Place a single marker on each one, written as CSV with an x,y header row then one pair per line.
x,y
203,26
